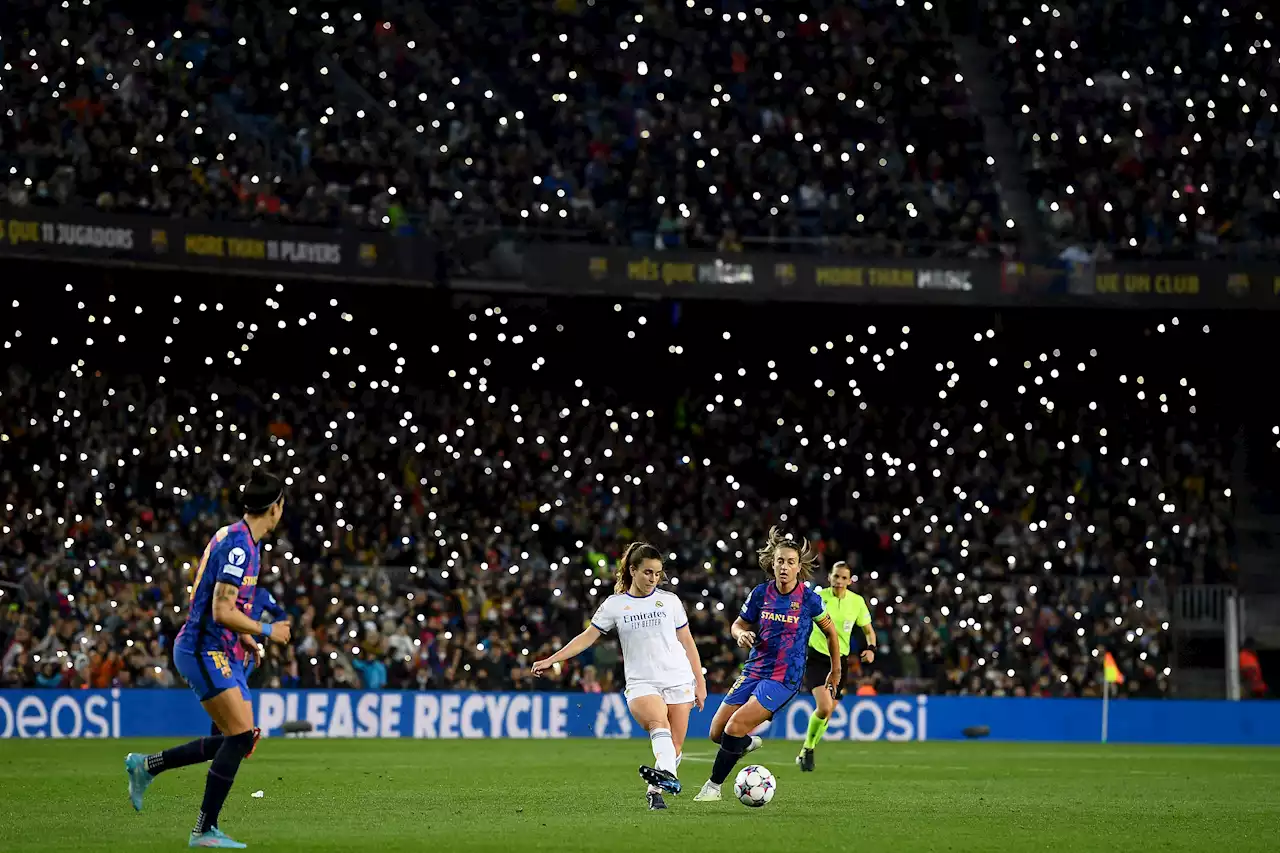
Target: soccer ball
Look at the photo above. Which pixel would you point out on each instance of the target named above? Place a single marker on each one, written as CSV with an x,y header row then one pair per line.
x,y
754,786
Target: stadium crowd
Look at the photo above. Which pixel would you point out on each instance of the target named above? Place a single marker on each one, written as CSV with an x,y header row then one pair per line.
x,y
1148,127
1013,497
647,123
650,123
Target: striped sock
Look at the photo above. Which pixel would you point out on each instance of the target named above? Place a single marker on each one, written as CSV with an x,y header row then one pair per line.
x,y
664,750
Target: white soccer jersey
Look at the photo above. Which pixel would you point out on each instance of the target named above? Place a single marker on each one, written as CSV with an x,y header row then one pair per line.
x,y
646,628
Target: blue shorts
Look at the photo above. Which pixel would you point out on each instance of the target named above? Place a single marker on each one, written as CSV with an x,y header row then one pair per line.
x,y
211,672
773,695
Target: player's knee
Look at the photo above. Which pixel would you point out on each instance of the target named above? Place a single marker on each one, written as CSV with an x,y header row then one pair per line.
x,y
716,736
242,743
735,744
738,728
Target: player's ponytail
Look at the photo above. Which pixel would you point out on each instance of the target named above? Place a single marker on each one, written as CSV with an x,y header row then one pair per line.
x,y
778,540
261,492
635,554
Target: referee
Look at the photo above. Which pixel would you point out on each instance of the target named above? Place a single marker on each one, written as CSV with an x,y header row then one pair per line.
x,y
846,610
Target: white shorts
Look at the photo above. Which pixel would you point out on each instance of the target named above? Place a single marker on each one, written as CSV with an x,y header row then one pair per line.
x,y
679,694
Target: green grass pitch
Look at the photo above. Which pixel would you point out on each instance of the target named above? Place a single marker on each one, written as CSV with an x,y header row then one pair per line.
x,y
445,796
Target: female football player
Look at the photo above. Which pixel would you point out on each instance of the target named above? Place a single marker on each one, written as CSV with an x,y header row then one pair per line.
x,y
775,624
846,609
663,669
203,653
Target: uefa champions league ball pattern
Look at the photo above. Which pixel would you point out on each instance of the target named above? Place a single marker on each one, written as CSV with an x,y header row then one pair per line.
x,y
754,786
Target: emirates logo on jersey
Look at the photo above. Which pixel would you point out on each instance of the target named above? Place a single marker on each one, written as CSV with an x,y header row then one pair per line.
x,y
643,620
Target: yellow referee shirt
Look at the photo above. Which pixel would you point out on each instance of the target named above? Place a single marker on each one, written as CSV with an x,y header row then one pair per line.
x,y
846,612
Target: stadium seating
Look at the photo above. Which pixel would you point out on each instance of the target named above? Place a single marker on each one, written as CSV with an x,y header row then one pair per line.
x,y
1148,128
635,123
1014,493
228,110
1145,130
694,126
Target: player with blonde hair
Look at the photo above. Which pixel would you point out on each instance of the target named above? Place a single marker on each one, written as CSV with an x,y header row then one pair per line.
x,y
774,624
663,669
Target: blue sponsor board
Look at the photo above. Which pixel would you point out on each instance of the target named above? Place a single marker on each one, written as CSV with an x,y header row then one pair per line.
x,y
389,714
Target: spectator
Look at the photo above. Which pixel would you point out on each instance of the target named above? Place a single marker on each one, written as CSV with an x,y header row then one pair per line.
x,y
589,683
373,672
1251,671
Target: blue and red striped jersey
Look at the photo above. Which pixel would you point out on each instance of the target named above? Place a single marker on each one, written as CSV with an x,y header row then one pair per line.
x,y
783,623
230,557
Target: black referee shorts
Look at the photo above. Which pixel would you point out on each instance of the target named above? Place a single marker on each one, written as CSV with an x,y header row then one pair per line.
x,y
817,667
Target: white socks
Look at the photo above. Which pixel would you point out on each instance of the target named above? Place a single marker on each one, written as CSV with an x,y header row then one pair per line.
x,y
664,750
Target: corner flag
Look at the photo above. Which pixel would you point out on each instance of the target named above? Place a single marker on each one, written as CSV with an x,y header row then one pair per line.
x,y
1110,671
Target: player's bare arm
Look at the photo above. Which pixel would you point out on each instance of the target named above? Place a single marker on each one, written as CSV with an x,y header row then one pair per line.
x,y
828,628
228,615
743,633
869,653
572,649
685,636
